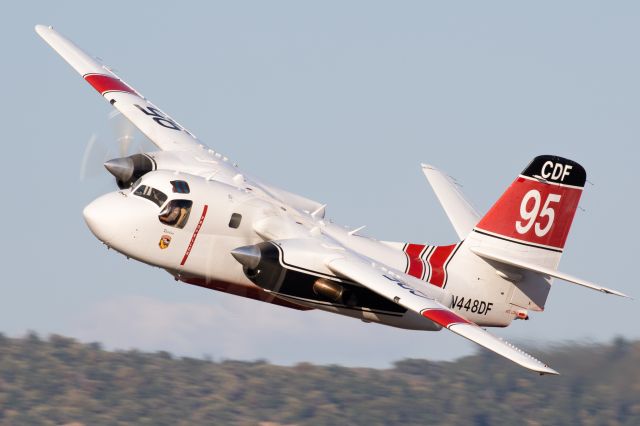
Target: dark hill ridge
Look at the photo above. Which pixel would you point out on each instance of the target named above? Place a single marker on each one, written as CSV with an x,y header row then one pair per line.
x,y
60,381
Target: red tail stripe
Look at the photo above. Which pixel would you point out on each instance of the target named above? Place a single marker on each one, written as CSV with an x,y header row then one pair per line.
x,y
444,317
503,217
105,83
416,266
437,262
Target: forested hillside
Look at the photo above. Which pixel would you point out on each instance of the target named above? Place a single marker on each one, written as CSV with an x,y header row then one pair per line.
x,y
58,380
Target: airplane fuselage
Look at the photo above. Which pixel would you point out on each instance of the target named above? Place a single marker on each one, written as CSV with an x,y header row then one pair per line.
x,y
224,216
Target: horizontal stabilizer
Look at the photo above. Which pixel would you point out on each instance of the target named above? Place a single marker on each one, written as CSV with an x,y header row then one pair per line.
x,y
505,258
462,215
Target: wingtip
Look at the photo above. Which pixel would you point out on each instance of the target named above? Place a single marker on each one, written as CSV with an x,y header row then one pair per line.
x,y
40,28
537,366
427,166
616,293
626,296
43,30
548,370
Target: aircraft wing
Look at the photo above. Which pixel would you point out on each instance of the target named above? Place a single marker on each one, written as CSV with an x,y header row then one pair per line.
x,y
397,288
158,126
165,132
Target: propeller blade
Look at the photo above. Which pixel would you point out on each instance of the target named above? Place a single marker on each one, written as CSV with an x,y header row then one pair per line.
x,y
124,132
95,154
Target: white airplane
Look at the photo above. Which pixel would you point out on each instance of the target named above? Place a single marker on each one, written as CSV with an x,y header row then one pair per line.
x,y
187,209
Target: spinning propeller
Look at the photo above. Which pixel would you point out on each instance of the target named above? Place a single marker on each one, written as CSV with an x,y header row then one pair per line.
x,y
125,168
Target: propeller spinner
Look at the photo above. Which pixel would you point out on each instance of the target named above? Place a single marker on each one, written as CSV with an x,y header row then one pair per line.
x,y
129,169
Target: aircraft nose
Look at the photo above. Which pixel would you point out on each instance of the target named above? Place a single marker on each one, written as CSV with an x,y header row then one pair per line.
x,y
91,215
100,216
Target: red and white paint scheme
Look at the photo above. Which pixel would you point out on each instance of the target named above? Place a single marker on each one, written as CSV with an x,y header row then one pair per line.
x,y
187,209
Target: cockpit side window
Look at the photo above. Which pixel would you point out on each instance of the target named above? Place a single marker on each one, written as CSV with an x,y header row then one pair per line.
x,y
176,213
151,194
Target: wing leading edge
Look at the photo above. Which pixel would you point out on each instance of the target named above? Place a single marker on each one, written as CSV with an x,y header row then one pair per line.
x,y
397,288
165,132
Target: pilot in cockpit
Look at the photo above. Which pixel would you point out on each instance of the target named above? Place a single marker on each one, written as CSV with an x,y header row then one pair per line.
x,y
170,215
174,214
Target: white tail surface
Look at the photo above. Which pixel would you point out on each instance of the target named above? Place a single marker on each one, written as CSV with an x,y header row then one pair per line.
x,y
461,213
507,259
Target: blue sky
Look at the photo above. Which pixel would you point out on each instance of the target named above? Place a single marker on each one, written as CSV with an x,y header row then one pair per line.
x,y
338,101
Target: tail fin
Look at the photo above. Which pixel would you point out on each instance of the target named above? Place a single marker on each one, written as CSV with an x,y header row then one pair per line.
x,y
521,238
538,208
461,214
528,226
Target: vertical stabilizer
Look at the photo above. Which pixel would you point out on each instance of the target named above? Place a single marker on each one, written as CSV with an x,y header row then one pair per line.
x,y
462,215
530,223
538,208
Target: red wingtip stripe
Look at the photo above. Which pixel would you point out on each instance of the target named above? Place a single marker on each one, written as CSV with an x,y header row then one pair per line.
x,y
105,83
444,317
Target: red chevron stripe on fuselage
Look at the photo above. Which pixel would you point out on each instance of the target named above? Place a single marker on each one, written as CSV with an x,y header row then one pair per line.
x,y
434,268
416,266
437,261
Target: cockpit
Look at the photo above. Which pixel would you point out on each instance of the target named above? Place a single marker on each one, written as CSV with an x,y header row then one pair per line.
x,y
173,213
158,207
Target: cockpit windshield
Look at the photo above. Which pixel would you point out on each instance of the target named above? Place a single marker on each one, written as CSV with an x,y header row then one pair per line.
x,y
151,194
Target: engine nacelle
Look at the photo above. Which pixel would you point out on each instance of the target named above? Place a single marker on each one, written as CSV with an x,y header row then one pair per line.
x,y
261,265
266,266
129,169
